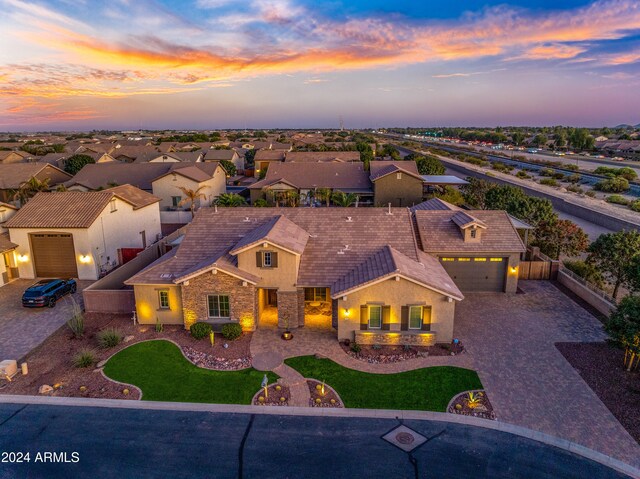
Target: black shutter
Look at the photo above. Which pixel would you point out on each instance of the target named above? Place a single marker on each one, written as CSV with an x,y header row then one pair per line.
x,y
259,259
386,317
274,259
364,317
404,318
426,318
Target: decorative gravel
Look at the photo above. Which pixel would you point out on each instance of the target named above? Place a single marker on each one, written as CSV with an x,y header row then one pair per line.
x,y
208,361
277,395
482,409
396,354
329,399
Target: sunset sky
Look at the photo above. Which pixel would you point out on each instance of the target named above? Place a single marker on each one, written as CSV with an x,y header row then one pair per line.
x,y
192,64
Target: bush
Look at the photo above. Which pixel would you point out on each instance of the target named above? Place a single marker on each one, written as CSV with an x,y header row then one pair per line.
x,y
109,338
200,330
231,331
575,189
635,206
376,347
522,174
613,185
159,326
572,167
574,178
546,172
84,358
559,176
548,182
591,194
76,323
586,271
617,199
356,348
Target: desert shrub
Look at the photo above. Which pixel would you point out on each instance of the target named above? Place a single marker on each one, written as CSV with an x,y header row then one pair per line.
x,y
558,176
571,167
613,185
574,178
159,326
84,358
591,194
200,330
546,172
407,347
376,347
76,323
356,348
231,331
109,338
587,271
617,199
260,203
635,206
548,182
575,189
522,174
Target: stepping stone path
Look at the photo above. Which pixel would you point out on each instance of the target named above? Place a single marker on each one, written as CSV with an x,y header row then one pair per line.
x,y
273,361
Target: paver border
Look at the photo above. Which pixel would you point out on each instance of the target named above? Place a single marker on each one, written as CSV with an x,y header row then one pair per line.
x,y
564,444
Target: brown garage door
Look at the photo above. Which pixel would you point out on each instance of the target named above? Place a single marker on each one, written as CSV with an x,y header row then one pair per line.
x,y
476,274
54,255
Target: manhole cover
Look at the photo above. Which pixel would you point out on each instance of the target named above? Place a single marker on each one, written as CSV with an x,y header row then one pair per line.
x,y
404,438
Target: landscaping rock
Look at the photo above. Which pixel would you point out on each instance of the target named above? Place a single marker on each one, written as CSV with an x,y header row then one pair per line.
x,y
101,363
207,361
320,356
45,389
129,338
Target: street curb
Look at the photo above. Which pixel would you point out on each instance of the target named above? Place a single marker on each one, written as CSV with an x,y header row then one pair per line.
x,y
332,412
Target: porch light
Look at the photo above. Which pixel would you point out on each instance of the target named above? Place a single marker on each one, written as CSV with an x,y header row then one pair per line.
x,y
347,312
514,270
85,258
23,258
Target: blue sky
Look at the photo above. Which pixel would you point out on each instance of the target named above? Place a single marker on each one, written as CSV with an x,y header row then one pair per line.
x,y
79,64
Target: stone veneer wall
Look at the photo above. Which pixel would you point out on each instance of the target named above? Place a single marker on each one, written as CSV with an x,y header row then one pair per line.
x,y
300,307
242,299
289,308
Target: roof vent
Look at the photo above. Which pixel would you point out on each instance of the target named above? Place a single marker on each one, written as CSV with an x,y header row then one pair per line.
x,y
215,208
349,220
166,275
341,252
389,210
246,219
346,247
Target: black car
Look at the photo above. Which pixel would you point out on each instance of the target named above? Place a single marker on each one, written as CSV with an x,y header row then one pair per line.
x,y
47,292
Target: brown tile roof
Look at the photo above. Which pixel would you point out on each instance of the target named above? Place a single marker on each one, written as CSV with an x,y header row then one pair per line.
x,y
439,233
269,155
464,220
134,152
322,156
340,176
435,204
388,262
219,155
193,172
5,244
14,174
279,231
380,169
74,209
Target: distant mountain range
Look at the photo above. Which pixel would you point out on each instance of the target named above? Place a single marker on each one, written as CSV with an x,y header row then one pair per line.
x,y
627,126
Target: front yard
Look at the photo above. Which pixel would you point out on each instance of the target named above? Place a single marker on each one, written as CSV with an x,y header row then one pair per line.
x,y
161,371
427,389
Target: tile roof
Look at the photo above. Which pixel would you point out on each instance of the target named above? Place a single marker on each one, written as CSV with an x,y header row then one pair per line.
x,y
5,244
439,234
388,262
74,209
14,174
279,231
378,169
192,172
464,220
319,175
435,204
219,155
322,156
269,155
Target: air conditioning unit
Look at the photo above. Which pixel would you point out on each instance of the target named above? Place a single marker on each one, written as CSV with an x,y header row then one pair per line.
x,y
8,368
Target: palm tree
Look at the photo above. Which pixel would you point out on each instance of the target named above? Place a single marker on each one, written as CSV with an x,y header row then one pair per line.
x,y
340,198
191,196
230,199
323,194
28,189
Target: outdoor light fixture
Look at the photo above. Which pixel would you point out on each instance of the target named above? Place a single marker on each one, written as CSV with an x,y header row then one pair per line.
x,y
346,312
85,258
514,269
23,258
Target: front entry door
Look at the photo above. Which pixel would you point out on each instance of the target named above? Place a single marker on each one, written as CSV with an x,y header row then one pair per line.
x,y
272,297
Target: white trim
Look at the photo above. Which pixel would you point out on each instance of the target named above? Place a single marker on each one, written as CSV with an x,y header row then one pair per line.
x,y
369,306
211,268
256,243
409,318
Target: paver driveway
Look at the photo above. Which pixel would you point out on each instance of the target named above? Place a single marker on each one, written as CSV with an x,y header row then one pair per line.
x,y
22,329
510,339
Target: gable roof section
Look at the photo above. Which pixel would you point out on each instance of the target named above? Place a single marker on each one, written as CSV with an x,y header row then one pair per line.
x,y
134,196
389,262
219,155
340,176
5,244
380,169
465,220
322,156
439,234
279,231
269,155
13,174
191,172
435,204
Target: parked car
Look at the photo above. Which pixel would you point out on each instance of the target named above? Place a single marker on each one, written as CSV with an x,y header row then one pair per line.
x,y
47,292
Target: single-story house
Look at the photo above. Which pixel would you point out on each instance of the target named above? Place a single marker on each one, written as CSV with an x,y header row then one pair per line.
x,y
264,158
13,156
226,155
78,234
362,270
396,182
8,266
170,157
209,177
13,175
7,210
322,156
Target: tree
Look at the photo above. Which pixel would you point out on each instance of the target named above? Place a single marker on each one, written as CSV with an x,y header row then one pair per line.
x,y
75,163
228,167
450,195
28,189
191,197
429,165
517,138
340,198
633,273
540,140
366,153
612,253
323,194
475,192
230,199
390,150
560,237
617,184
249,157
624,328
260,203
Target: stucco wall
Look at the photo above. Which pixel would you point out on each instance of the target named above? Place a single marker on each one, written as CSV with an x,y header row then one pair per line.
x,y
5,214
282,277
148,304
389,189
397,294
12,264
168,186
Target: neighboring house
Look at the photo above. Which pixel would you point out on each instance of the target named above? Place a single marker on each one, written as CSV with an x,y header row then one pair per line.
x,y
6,212
322,156
264,158
15,174
13,156
129,153
361,270
8,265
305,179
55,159
225,155
396,182
173,157
78,234
210,177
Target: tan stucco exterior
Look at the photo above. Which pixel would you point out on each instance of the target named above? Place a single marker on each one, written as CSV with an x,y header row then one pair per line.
x,y
148,304
396,294
399,189
513,265
282,277
169,185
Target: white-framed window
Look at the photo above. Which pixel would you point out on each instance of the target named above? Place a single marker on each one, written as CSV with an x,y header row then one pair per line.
x,y
474,232
218,306
113,205
175,201
266,259
375,316
163,299
415,317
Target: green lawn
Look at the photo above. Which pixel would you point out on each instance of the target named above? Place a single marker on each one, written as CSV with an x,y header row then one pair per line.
x,y
428,389
164,374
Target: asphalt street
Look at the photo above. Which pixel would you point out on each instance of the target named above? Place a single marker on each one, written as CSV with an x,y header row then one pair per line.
x,y
133,443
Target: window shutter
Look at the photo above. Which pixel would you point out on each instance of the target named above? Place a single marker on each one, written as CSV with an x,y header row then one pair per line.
x,y
259,259
386,317
364,317
274,259
404,318
426,318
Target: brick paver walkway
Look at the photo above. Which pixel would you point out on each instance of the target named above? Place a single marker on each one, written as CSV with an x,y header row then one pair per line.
x,y
300,395
22,329
511,341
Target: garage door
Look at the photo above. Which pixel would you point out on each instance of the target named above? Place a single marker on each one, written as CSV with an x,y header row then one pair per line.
x,y
476,274
54,255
